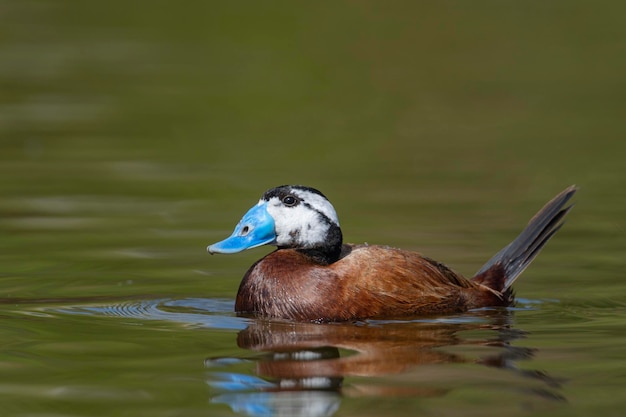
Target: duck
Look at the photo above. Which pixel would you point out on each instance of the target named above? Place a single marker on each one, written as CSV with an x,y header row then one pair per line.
x,y
313,276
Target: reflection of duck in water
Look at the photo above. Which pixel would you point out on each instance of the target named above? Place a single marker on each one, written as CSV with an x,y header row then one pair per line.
x,y
306,369
313,276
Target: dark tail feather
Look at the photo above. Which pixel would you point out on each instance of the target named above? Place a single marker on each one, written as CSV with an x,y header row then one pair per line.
x,y
502,270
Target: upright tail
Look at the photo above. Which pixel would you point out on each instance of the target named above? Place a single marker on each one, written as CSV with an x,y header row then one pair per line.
x,y
502,270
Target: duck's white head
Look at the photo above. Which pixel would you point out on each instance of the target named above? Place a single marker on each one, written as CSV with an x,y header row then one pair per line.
x,y
289,216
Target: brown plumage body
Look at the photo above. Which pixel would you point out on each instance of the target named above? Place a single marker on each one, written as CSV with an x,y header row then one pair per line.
x,y
313,276
367,282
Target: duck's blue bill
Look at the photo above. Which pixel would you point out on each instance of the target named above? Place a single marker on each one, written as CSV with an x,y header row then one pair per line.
x,y
256,228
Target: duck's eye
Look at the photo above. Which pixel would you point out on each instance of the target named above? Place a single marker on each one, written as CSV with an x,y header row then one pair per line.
x,y
290,201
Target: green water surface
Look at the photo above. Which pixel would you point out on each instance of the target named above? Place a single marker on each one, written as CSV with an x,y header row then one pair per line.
x,y
133,134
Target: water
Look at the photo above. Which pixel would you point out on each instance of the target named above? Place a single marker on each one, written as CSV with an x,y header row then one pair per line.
x,y
192,356
132,137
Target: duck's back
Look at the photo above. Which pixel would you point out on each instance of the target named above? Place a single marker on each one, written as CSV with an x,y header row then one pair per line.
x,y
366,282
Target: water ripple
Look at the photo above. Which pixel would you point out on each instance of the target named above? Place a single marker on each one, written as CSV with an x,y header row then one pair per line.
x,y
218,313
198,312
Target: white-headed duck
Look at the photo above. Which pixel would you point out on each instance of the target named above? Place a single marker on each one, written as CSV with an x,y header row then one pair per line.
x,y
314,276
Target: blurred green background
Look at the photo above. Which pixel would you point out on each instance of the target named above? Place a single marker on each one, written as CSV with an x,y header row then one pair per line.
x,y
135,133
138,132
